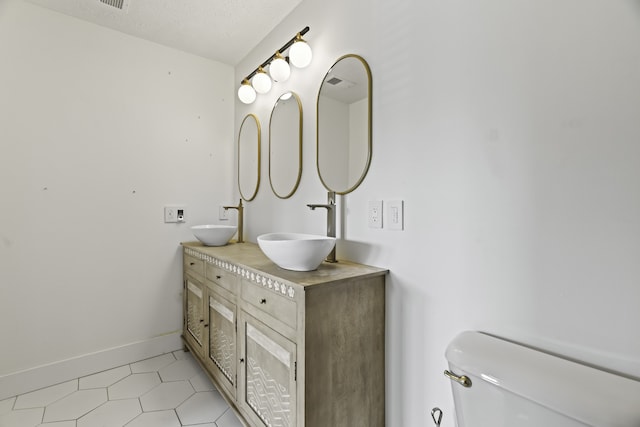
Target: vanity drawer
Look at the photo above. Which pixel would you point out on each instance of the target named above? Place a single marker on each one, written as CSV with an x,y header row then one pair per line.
x,y
223,278
276,305
193,265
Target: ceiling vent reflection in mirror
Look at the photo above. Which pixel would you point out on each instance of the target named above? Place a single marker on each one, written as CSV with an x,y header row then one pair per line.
x,y
340,82
122,5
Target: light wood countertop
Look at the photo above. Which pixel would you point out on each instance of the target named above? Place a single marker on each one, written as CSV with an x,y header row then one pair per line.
x,y
250,256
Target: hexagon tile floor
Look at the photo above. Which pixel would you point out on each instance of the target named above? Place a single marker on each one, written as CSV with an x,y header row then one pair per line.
x,y
170,390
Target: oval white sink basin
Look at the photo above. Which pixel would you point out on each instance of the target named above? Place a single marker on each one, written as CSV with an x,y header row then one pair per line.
x,y
295,251
214,235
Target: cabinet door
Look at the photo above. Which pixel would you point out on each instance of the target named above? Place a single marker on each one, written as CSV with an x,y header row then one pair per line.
x,y
194,321
222,358
267,375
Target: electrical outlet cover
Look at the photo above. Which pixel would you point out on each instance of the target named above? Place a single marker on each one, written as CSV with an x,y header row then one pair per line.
x,y
374,214
174,214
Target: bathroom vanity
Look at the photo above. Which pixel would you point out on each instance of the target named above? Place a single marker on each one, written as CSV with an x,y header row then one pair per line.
x,y
287,348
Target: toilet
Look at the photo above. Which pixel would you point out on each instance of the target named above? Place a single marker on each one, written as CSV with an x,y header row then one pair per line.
x,y
498,383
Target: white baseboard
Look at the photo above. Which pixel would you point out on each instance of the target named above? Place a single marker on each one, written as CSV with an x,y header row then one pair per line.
x,y
65,370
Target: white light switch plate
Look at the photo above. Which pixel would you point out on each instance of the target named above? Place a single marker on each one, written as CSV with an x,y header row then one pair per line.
x,y
395,215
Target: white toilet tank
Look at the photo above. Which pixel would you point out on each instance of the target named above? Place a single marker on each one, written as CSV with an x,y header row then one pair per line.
x,y
516,386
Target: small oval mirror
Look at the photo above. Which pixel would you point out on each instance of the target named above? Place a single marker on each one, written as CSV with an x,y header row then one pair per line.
x,y
285,145
344,125
249,157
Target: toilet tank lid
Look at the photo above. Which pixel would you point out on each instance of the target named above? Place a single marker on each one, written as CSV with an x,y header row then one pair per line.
x,y
585,393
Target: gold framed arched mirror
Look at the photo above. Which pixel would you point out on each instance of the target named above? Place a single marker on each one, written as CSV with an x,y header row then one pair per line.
x,y
344,125
285,145
249,157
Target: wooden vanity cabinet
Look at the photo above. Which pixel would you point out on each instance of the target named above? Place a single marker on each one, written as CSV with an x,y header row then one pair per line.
x,y
288,349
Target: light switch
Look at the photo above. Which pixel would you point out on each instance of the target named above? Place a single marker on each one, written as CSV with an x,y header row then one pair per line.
x,y
395,215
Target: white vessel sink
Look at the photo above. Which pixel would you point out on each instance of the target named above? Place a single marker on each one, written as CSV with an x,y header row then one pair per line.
x,y
214,235
295,251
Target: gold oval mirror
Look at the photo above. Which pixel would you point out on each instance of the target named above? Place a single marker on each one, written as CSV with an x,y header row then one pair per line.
x,y
344,125
249,157
285,145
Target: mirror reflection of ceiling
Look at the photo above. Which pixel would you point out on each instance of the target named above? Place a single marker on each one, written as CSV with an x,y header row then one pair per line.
x,y
221,30
344,82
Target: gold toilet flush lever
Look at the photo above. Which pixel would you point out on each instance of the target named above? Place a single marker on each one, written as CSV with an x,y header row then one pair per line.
x,y
463,380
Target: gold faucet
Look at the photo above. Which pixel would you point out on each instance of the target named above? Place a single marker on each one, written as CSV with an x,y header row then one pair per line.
x,y
330,206
240,210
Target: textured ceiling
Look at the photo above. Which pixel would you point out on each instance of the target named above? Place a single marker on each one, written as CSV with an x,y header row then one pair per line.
x,y
222,30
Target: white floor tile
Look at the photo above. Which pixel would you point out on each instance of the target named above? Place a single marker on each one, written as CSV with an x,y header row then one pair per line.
x,y
204,407
59,424
6,405
182,369
229,419
105,378
156,419
117,397
201,382
75,405
166,396
153,364
22,418
135,385
46,396
112,414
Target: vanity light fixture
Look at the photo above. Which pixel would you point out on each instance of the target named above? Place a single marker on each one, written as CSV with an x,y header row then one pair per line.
x,y
279,69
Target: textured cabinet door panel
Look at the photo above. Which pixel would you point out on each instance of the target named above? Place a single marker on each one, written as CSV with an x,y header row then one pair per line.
x,y
194,319
222,340
268,375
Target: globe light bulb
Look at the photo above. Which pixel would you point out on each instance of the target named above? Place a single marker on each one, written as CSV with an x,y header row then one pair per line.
x,y
279,69
300,53
246,94
261,81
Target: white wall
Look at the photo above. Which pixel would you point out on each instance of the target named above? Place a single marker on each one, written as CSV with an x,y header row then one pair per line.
x,y
510,130
98,131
